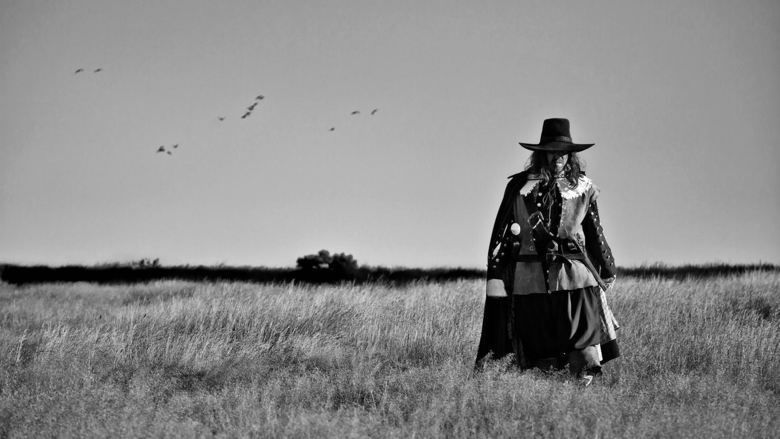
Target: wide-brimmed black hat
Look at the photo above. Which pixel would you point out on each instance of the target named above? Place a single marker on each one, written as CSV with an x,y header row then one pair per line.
x,y
556,138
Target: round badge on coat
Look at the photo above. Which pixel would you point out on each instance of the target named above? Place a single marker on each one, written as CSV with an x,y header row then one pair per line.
x,y
515,229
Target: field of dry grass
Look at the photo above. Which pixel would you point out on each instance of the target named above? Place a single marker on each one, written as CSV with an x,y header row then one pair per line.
x,y
700,359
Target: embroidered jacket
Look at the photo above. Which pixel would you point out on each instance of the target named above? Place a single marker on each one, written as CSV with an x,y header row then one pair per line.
x,y
519,259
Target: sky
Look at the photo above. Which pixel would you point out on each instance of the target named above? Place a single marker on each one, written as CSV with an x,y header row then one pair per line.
x,y
682,100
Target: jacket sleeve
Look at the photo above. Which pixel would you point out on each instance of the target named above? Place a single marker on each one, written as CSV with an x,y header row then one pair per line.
x,y
595,243
498,248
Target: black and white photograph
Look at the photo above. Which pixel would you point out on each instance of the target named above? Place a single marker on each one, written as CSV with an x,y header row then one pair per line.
x,y
389,219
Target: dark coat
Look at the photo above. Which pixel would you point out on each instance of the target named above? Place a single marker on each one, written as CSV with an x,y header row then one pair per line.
x,y
517,262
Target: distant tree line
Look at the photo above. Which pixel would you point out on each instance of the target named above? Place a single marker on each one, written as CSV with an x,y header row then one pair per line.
x,y
693,270
339,265
320,267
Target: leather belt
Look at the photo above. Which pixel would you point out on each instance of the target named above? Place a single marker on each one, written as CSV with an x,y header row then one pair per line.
x,y
572,252
579,256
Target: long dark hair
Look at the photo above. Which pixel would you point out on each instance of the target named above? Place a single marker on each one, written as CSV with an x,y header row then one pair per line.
x,y
537,164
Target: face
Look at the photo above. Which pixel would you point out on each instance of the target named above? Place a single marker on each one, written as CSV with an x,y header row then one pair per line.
x,y
557,161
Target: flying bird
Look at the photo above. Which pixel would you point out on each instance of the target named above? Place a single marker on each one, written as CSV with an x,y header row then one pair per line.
x,y
175,146
98,70
373,112
332,129
221,118
161,149
245,115
252,107
169,153
259,98
354,112
79,70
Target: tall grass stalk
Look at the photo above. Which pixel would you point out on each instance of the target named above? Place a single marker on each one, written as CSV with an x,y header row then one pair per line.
x,y
231,359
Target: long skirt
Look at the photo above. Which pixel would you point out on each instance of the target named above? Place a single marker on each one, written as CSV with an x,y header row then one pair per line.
x,y
557,323
547,329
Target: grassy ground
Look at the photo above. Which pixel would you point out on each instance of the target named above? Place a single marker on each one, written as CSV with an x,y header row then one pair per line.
x,y
700,359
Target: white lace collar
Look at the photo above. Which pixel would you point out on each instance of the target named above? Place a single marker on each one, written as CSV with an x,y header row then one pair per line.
x,y
567,192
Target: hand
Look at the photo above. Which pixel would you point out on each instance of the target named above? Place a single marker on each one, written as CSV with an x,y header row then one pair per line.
x,y
610,281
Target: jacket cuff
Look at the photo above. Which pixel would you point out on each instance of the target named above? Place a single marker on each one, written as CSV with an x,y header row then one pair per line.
x,y
495,288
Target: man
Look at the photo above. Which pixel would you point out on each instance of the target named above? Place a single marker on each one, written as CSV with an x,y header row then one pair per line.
x,y
549,265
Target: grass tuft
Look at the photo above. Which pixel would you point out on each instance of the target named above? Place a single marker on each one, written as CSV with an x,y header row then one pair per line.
x,y
173,358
